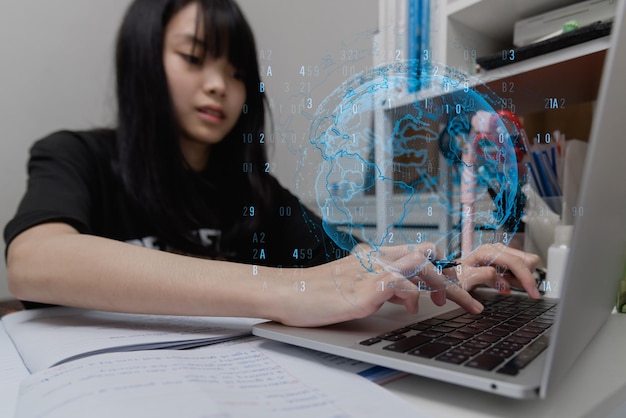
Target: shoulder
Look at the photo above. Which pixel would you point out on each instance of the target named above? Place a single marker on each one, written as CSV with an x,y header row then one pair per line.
x,y
76,143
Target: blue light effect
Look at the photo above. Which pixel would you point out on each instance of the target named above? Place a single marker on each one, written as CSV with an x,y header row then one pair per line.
x,y
343,133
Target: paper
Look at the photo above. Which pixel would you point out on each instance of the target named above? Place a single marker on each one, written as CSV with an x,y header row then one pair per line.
x,y
45,337
254,378
12,372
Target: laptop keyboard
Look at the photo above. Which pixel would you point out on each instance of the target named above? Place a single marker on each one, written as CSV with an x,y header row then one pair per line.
x,y
504,338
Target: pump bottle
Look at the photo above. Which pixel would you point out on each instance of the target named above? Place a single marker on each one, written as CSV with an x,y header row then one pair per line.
x,y
557,260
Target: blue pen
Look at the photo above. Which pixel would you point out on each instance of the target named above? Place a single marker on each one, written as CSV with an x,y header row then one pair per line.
x,y
542,176
555,201
533,179
550,162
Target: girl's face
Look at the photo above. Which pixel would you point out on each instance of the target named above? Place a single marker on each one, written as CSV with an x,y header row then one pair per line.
x,y
208,95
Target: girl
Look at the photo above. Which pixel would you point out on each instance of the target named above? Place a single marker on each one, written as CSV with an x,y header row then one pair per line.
x,y
170,177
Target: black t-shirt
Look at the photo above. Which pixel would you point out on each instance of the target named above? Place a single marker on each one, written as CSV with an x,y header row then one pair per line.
x,y
72,179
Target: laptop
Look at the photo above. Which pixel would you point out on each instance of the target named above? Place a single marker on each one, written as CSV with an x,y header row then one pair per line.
x,y
558,333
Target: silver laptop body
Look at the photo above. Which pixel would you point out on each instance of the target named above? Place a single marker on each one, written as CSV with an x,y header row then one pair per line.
x,y
595,265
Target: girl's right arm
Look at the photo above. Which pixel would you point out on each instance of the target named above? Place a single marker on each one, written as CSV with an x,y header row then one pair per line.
x,y
53,263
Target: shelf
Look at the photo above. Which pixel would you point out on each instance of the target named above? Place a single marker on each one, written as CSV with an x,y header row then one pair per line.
x,y
552,76
363,210
549,75
496,18
547,60
467,29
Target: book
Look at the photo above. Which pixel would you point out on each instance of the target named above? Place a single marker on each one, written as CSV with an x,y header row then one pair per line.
x,y
414,33
50,336
424,50
69,334
67,361
241,378
12,371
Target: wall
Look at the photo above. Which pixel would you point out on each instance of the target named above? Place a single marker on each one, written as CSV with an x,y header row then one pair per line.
x,y
307,50
56,72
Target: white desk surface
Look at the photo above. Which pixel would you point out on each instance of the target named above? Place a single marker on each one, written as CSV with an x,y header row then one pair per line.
x,y
594,388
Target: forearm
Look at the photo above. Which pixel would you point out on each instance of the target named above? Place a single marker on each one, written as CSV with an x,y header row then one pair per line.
x,y
53,263
96,273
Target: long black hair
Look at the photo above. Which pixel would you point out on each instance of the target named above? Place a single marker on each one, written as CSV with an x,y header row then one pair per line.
x,y
150,161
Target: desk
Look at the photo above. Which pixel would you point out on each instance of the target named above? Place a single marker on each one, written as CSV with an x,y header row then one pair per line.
x,y
594,388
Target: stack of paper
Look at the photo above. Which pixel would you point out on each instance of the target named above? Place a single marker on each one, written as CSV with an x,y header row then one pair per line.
x,y
99,364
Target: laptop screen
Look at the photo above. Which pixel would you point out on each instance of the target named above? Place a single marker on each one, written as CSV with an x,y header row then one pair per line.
x,y
598,253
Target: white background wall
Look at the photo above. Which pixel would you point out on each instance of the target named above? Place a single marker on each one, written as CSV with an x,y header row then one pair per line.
x,y
56,71
331,39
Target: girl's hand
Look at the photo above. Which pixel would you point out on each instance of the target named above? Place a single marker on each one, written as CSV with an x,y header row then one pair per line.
x,y
498,266
358,285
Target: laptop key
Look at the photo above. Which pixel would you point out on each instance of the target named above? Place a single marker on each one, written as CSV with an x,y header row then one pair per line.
x,y
532,330
485,362
454,324
466,350
474,343
500,352
522,334
395,337
509,345
443,329
473,316
460,335
451,315
540,324
431,333
370,341
487,338
516,324
408,343
450,341
524,357
495,332
518,340
470,330
431,321
402,330
507,369
463,320
453,357
507,328
430,350
529,353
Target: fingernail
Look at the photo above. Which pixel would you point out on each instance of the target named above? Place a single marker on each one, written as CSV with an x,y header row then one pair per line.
x,y
479,306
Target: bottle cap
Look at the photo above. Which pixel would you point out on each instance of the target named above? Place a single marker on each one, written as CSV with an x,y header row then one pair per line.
x,y
563,234
570,25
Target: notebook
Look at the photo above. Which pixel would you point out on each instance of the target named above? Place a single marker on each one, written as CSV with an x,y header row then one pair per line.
x,y
595,265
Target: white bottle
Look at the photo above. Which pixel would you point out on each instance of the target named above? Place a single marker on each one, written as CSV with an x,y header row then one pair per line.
x,y
557,259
